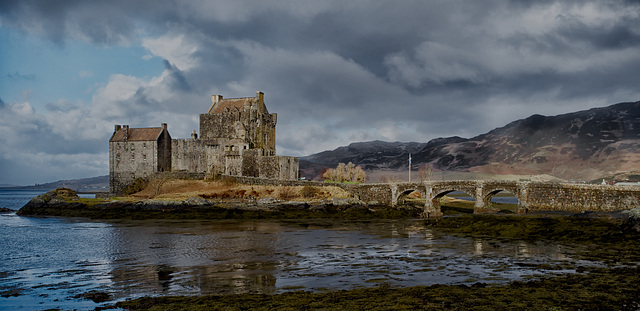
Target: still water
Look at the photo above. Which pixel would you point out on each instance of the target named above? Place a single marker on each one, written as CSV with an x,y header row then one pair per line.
x,y
48,262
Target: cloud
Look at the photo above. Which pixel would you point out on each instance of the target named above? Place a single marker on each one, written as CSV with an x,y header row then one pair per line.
x,y
176,49
334,71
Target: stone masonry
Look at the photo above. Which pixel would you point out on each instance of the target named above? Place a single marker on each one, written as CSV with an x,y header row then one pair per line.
x,y
237,138
532,196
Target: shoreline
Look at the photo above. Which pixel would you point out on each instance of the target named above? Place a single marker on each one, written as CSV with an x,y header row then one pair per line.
x,y
618,233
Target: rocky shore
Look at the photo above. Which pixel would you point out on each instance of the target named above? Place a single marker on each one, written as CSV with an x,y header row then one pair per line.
x,y
66,203
613,285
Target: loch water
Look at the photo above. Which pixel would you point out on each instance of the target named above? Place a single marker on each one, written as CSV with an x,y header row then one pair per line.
x,y
51,262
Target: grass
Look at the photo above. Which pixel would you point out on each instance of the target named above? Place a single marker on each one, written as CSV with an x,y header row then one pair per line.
x,y
225,190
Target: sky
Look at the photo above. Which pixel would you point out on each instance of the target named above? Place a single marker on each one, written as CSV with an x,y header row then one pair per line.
x,y
334,71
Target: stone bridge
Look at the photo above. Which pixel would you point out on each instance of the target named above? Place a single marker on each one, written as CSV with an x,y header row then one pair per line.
x,y
532,196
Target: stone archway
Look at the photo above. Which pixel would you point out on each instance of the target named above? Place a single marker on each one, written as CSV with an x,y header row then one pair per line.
x,y
489,202
411,196
436,201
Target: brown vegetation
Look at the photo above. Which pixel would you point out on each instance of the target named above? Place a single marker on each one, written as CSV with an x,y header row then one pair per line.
x,y
228,189
345,173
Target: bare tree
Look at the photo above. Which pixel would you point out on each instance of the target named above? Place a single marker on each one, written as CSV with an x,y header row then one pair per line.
x,y
349,172
425,171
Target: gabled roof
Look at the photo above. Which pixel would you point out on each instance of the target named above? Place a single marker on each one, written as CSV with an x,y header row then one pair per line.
x,y
231,103
137,134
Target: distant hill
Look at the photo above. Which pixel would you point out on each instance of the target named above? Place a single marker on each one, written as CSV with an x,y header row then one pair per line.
x,y
100,183
583,145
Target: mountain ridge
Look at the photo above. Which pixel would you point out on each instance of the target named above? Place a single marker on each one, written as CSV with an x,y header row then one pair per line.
x,y
583,145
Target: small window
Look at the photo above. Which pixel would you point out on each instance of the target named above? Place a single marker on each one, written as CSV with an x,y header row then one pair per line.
x,y
133,147
144,157
133,156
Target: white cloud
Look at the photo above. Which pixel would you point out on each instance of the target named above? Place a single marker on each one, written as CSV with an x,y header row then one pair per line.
x,y
178,49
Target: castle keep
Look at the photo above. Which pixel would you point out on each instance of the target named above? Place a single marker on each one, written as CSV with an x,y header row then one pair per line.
x,y
237,137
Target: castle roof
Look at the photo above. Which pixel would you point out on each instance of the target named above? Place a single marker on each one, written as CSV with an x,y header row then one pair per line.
x,y
230,103
137,134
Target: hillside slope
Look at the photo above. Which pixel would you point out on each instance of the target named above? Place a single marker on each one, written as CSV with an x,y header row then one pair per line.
x,y
582,145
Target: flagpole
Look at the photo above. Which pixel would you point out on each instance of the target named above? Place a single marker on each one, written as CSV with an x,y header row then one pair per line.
x,y
409,167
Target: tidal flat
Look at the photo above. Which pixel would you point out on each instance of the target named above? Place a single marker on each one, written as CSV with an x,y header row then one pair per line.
x,y
602,273
553,261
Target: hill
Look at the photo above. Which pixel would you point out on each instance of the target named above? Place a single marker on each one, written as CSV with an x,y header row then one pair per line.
x,y
584,145
100,183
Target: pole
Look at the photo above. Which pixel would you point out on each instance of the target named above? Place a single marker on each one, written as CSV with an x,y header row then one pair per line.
x,y
409,167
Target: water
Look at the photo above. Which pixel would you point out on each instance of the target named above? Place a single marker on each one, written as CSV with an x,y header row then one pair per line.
x,y
49,262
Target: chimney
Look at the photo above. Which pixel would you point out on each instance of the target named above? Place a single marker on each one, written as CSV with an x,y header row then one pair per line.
x,y
260,101
118,127
194,136
214,100
126,132
164,126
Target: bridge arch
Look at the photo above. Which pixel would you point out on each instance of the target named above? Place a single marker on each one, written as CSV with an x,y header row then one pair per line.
x,y
435,200
407,194
492,188
487,199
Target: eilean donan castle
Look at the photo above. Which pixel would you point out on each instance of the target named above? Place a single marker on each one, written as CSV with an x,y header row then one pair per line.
x,y
237,138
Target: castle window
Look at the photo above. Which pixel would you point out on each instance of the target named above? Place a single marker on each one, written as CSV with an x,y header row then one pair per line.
x,y
133,156
133,146
144,145
144,157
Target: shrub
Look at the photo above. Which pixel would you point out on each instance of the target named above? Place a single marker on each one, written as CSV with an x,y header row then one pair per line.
x,y
287,193
138,185
345,173
308,191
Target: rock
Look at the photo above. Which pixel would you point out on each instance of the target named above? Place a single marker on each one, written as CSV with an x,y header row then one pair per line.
x,y
58,198
196,201
6,210
633,213
95,296
345,201
266,201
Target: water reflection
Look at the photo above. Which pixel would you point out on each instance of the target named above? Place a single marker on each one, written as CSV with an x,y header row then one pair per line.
x,y
49,261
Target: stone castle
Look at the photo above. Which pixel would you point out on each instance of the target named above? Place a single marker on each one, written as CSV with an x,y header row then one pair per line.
x,y
237,138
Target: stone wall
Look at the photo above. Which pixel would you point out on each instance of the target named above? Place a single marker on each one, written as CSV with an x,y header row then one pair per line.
x,y
577,198
188,155
130,160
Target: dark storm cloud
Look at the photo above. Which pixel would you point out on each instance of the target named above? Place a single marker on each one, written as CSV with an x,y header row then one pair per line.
x,y
101,22
342,71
